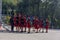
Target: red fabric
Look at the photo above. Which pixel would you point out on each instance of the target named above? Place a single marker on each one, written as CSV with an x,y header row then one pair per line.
x,y
28,24
19,24
46,27
15,24
36,24
22,25
47,24
25,22
41,24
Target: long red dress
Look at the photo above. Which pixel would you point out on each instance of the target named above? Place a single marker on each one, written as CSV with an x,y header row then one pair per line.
x,y
28,23
22,22
36,24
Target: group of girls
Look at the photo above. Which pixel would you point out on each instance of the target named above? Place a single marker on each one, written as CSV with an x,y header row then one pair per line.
x,y
22,23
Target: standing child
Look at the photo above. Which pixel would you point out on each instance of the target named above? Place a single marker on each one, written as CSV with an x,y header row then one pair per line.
x,y
47,25
17,23
36,24
22,23
28,24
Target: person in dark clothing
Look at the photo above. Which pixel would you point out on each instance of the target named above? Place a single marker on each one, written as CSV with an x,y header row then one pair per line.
x,y
12,24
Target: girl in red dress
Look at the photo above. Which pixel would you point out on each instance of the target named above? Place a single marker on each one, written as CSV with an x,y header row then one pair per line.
x,y
16,22
22,23
28,24
47,25
36,24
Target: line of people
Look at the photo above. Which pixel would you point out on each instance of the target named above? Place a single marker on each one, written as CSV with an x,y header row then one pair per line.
x,y
22,22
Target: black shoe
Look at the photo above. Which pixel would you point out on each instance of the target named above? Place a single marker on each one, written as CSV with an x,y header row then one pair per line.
x,y
21,31
36,32
16,31
46,31
24,31
28,32
42,31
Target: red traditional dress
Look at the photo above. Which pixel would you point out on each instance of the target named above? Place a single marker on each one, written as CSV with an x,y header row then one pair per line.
x,y
36,24
28,23
17,21
22,22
